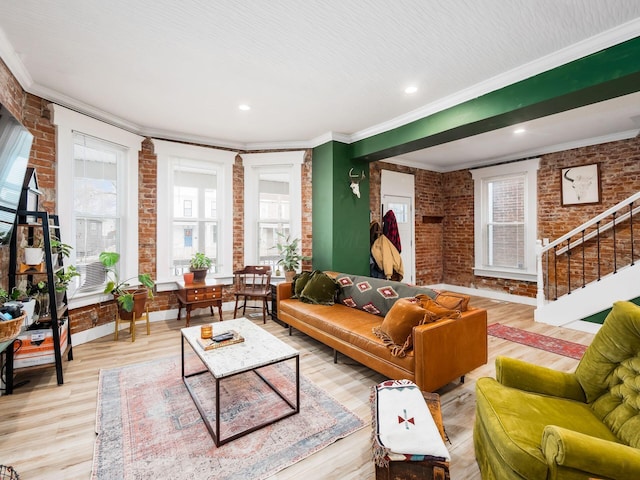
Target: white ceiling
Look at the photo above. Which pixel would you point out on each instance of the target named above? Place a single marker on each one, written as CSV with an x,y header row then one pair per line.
x,y
312,71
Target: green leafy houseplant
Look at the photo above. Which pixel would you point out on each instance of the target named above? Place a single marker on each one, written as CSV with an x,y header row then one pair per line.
x,y
120,289
200,260
290,258
199,265
63,278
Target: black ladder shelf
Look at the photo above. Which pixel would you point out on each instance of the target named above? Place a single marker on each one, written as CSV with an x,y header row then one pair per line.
x,y
53,262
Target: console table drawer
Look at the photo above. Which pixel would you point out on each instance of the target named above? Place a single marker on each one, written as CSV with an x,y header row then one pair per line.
x,y
204,293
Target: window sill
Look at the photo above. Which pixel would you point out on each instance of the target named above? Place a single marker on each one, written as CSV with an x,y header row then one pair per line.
x,y
509,274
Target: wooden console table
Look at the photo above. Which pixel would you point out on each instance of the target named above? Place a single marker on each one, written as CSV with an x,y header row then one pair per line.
x,y
199,295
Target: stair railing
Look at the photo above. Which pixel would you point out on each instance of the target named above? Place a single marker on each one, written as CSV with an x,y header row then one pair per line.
x,y
603,245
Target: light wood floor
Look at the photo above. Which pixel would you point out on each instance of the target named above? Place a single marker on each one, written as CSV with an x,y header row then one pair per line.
x,y
47,431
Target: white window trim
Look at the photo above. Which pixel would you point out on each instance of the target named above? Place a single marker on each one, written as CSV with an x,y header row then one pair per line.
x,y
254,164
225,159
528,168
67,122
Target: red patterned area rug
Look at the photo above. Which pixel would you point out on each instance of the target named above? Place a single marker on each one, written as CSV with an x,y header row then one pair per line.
x,y
149,428
536,340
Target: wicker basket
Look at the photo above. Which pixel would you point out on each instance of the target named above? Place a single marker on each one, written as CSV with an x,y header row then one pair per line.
x,y
8,473
10,329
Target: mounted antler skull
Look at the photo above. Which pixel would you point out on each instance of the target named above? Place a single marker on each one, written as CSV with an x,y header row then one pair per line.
x,y
355,182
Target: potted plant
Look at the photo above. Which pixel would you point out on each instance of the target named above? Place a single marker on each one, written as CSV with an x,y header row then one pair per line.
x,y
199,265
63,278
130,300
290,258
34,253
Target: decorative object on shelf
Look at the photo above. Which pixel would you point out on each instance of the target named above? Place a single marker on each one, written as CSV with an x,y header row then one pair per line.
x,y
131,300
355,180
10,327
580,185
199,265
290,258
33,256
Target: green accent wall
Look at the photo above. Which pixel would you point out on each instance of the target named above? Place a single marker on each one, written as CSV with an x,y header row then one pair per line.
x,y
340,219
604,75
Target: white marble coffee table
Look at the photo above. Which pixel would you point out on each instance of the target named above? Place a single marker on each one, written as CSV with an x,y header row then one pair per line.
x,y
259,349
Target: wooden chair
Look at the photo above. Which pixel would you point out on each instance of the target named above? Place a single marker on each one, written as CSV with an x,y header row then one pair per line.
x,y
253,283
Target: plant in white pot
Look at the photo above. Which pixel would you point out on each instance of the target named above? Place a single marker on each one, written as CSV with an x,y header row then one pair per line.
x,y
200,265
131,299
290,257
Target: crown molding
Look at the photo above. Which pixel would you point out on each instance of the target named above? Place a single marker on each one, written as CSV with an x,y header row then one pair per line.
x,y
14,62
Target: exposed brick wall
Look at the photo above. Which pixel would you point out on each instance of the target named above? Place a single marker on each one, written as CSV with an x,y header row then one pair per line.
x,y
32,111
620,173
238,214
619,164
307,210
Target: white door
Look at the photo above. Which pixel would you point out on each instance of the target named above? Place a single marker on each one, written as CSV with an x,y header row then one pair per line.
x,y
397,194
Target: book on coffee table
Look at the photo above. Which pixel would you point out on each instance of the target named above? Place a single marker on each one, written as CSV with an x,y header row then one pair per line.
x,y
210,344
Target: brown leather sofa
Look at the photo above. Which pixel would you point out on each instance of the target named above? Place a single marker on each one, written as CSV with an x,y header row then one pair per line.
x,y
443,351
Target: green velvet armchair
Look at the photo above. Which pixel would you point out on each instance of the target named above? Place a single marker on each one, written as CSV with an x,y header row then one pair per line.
x,y
533,422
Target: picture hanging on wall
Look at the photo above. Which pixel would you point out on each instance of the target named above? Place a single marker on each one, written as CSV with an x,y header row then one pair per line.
x,y
580,185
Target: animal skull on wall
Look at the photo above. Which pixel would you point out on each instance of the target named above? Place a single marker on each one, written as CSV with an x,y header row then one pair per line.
x,y
355,184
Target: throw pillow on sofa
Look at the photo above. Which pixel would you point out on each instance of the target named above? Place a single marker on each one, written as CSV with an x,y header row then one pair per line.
x,y
299,282
435,310
320,289
453,301
396,329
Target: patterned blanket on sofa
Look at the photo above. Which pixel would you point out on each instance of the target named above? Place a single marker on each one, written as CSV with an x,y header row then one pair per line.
x,y
375,295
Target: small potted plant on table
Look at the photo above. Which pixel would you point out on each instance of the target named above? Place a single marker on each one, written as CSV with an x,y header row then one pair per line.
x,y
199,265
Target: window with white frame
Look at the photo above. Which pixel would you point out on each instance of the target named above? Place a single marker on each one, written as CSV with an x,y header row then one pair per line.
x,y
195,210
98,208
506,220
273,203
97,205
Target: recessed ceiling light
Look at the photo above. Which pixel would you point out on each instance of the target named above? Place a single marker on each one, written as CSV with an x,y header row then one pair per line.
x,y
411,89
519,131
244,107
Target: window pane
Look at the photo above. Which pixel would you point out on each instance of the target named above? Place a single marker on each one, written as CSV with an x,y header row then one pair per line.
x,y
506,245
507,200
274,214
194,222
505,227
96,205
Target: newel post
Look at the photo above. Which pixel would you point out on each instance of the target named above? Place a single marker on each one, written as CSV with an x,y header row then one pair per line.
x,y
540,296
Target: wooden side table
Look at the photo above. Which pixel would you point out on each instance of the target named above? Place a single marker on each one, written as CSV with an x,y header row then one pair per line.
x,y
199,295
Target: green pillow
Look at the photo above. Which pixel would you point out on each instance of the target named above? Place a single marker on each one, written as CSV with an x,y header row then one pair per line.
x,y
299,282
320,289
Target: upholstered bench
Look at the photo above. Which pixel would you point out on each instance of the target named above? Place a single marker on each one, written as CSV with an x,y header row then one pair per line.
x,y
408,443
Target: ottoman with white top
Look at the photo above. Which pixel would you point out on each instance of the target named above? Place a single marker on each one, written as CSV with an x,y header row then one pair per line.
x,y
407,442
